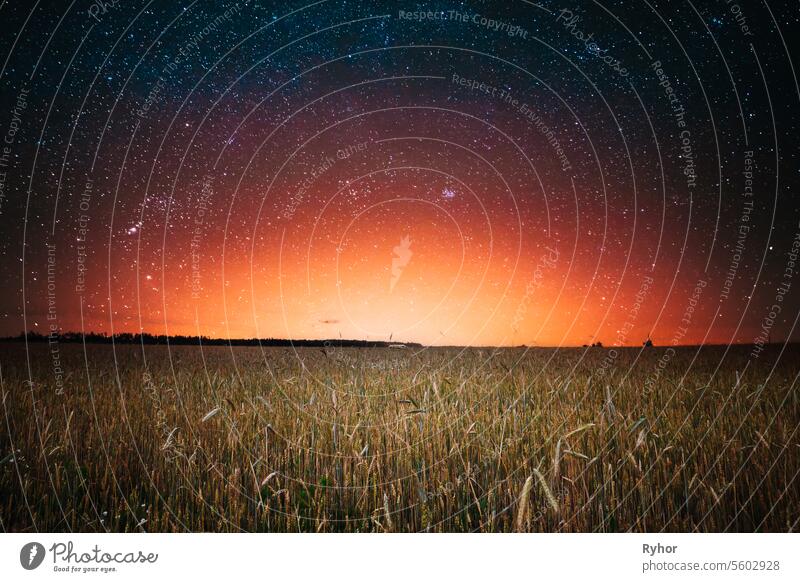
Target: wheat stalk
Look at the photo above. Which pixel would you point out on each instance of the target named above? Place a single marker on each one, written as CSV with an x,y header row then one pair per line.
x,y
210,414
557,463
387,514
522,512
551,499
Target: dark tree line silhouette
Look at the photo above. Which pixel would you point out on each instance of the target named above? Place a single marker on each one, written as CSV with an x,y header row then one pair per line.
x,y
188,340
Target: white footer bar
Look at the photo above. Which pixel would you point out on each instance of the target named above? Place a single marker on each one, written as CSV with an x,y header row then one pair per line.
x,y
356,557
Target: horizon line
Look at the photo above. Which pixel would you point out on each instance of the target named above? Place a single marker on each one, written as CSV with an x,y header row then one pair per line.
x,y
178,339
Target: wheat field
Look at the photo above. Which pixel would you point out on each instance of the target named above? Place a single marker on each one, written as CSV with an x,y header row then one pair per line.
x,y
220,439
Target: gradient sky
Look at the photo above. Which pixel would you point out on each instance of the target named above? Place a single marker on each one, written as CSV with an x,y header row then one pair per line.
x,y
248,169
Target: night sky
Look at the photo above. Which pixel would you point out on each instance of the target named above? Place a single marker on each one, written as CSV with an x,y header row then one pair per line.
x,y
449,173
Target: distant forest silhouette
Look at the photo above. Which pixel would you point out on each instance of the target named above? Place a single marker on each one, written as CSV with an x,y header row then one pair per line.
x,y
193,340
188,340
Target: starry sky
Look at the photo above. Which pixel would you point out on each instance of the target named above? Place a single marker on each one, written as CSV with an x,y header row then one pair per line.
x,y
449,173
